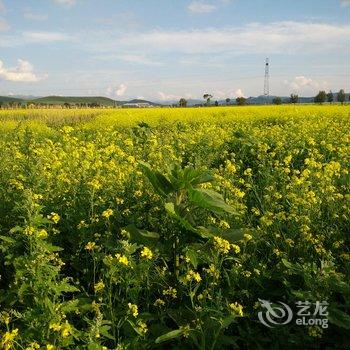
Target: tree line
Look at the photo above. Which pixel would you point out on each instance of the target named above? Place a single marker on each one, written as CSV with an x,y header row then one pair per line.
x,y
321,97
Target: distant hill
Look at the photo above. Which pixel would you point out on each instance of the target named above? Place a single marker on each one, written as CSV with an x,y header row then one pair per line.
x,y
60,100
136,100
8,99
72,100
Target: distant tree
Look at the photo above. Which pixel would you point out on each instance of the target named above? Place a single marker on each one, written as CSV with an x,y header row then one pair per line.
x,y
183,102
330,97
320,97
294,98
341,96
208,97
241,101
277,101
228,100
0,104
216,103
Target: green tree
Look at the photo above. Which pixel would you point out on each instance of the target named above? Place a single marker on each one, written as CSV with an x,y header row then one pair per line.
x,y
208,97
183,102
277,101
216,103
294,98
241,101
330,97
320,97
341,96
228,101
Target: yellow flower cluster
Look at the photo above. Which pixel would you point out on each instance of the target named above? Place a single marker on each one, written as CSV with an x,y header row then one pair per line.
x,y
193,276
222,245
236,309
146,253
133,309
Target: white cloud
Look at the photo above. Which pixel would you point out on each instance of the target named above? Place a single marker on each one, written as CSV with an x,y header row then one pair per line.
x,y
65,2
201,7
35,16
24,72
117,91
288,37
43,37
166,97
130,58
345,3
239,93
3,25
302,84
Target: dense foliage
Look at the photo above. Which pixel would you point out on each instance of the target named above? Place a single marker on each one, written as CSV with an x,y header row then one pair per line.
x,y
163,228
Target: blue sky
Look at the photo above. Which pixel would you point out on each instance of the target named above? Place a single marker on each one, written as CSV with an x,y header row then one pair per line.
x,y
167,49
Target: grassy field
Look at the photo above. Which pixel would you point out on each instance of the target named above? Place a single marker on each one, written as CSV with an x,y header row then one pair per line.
x,y
165,228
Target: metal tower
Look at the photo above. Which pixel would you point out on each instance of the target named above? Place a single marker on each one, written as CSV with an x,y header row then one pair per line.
x,y
267,78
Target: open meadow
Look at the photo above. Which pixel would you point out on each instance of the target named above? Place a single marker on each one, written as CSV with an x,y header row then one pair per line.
x,y
167,228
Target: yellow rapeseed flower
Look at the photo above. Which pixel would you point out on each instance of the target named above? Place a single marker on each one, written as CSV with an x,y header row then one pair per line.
x,y
146,253
222,245
107,213
236,309
122,259
7,339
54,217
133,309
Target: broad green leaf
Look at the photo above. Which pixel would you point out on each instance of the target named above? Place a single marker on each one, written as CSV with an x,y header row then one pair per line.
x,y
170,208
170,335
195,177
228,320
209,199
192,256
142,236
159,182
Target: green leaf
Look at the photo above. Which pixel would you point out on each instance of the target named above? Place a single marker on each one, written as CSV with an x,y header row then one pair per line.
x,y
209,199
159,182
192,256
227,321
195,177
142,236
339,318
170,335
170,208
94,346
7,239
233,235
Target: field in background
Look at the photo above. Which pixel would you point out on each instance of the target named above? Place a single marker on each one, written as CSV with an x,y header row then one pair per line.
x,y
147,228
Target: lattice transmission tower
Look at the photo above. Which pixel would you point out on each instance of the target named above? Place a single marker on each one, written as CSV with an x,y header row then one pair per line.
x,y
267,79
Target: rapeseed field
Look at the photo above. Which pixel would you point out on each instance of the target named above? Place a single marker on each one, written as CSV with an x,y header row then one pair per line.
x,y
167,228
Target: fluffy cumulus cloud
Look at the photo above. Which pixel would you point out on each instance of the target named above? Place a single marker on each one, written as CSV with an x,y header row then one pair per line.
x,y
239,93
201,7
23,72
167,97
117,91
302,84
